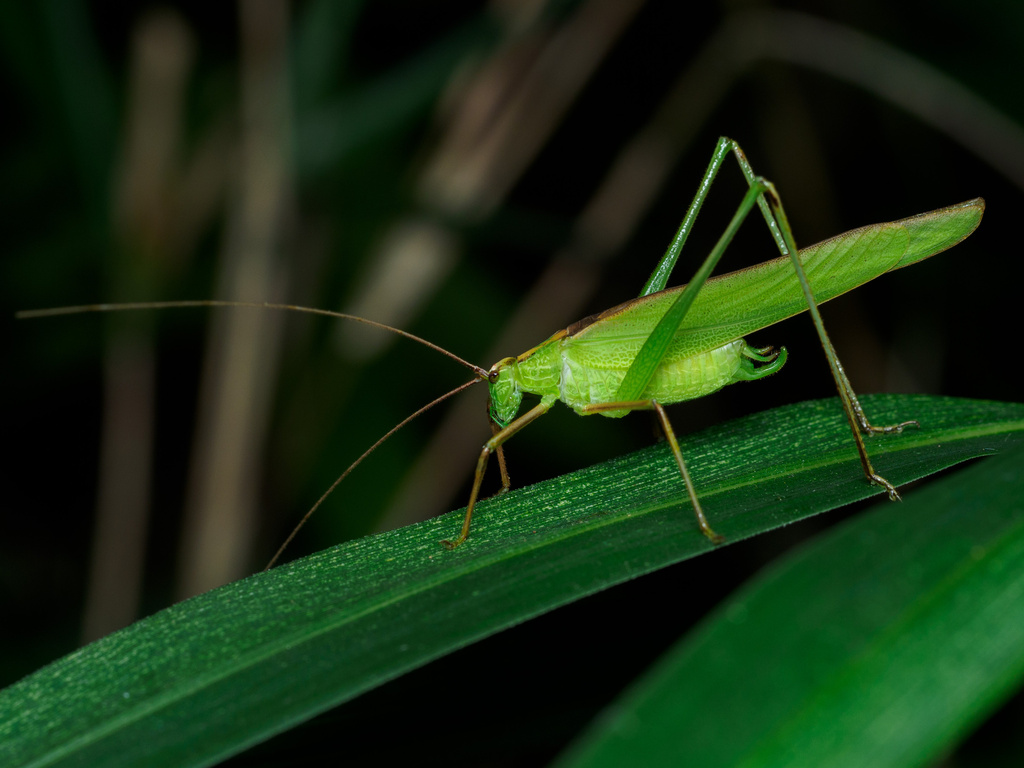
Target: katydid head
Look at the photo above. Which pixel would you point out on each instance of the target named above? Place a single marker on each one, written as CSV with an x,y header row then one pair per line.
x,y
505,394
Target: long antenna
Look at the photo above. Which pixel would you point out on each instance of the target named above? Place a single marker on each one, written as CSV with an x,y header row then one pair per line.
x,y
358,461
482,374
83,308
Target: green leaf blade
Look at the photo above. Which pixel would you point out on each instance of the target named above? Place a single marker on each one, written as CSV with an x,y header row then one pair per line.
x,y
883,643
210,676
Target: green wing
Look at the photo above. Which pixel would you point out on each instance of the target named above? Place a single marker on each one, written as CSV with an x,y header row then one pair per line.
x,y
733,305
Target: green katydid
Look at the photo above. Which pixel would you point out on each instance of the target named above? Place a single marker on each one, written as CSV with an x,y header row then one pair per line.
x,y
668,346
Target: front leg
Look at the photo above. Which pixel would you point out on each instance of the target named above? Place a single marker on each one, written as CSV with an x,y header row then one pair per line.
x,y
491,446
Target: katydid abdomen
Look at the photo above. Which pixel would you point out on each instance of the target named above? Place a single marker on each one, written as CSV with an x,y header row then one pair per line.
x,y
581,374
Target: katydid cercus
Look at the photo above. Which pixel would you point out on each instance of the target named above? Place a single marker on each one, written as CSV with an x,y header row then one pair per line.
x,y
668,346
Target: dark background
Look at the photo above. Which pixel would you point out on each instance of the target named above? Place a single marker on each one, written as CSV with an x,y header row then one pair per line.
x,y
375,93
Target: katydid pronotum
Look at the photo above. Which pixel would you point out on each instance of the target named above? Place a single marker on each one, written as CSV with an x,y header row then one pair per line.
x,y
668,346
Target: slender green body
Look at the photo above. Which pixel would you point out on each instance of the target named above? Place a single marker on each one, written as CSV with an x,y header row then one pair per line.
x,y
585,364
